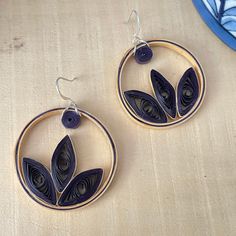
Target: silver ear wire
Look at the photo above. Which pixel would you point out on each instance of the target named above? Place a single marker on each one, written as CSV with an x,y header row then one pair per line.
x,y
72,103
137,39
137,32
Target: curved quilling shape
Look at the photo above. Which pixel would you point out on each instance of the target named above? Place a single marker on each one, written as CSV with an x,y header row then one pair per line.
x,y
145,106
143,54
63,163
187,91
164,92
81,188
39,180
70,119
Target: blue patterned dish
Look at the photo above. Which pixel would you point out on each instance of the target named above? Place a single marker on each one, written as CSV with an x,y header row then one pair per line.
x,y
220,16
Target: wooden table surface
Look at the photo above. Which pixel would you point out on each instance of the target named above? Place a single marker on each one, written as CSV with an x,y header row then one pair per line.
x,y
178,181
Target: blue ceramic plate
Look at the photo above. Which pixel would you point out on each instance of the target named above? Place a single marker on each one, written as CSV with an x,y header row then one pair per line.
x,y
220,16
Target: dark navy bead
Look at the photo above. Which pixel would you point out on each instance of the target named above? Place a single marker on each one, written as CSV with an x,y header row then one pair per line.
x,y
143,54
70,119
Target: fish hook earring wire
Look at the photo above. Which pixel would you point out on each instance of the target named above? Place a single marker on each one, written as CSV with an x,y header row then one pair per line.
x,y
60,187
168,105
137,39
71,115
72,103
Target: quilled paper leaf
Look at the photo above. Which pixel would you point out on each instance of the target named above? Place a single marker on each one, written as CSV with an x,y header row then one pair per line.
x,y
39,180
81,188
187,91
145,106
63,163
164,92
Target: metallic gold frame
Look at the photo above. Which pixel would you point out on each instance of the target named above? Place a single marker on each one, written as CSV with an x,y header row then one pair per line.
x,y
186,54
58,111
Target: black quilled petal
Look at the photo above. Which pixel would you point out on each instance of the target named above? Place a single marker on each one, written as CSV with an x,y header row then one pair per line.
x,y
39,180
63,163
164,92
145,106
143,54
81,188
187,92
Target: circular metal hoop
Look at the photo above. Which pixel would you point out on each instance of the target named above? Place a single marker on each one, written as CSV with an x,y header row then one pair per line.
x,y
181,51
18,163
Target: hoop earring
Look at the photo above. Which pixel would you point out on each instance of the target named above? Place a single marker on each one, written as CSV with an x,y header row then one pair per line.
x,y
61,186
165,106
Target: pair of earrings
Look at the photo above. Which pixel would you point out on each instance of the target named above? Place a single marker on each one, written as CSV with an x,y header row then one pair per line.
x,y
61,186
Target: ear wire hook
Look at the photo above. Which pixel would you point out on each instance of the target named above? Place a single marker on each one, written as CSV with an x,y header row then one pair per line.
x,y
136,36
72,103
135,13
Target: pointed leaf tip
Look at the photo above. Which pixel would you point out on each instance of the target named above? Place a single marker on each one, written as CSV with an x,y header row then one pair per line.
x,y
164,92
145,106
82,187
39,180
187,91
63,163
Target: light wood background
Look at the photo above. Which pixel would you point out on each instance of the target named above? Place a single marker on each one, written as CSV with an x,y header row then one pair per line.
x,y
179,181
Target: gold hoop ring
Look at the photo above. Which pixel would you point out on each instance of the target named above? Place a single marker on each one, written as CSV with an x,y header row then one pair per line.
x,y
181,51
18,158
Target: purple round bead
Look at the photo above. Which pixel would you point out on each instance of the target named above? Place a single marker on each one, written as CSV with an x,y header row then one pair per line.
x,y
70,119
143,54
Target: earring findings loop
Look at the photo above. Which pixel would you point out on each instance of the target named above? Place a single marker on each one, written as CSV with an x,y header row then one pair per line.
x,y
72,104
137,39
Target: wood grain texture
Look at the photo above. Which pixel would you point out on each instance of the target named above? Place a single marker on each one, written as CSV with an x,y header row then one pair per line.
x,y
179,181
